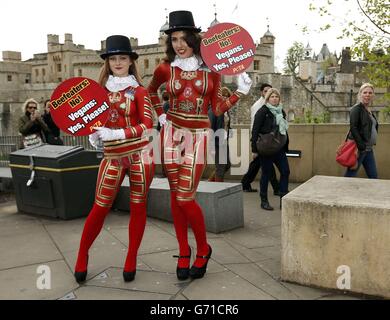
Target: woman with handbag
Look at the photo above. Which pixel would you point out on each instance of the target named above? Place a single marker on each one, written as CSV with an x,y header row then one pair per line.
x,y
271,118
31,125
364,131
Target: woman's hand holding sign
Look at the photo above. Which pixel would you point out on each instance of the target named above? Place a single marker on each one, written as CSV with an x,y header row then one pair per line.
x,y
106,134
94,140
244,83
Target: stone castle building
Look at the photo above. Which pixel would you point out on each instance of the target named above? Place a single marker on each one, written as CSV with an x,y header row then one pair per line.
x,y
39,76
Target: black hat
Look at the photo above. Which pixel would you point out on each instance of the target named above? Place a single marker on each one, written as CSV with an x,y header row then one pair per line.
x,y
118,45
181,20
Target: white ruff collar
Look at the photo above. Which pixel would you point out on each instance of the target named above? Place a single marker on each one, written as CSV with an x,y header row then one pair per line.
x,y
192,63
115,84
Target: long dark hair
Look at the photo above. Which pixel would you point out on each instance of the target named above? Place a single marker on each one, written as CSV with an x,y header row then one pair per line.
x,y
193,41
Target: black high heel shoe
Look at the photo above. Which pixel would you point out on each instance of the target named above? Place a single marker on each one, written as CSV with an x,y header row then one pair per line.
x,y
199,272
183,273
129,276
81,276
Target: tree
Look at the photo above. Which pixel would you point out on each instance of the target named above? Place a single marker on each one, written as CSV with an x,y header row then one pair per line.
x,y
368,25
295,54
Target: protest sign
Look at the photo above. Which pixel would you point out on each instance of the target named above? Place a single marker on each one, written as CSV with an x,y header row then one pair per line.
x,y
228,49
79,104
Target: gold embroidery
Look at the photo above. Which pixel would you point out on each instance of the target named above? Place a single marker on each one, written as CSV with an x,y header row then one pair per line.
x,y
186,106
188,75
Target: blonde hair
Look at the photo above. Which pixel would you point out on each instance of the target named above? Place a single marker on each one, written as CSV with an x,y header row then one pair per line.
x,y
270,92
27,102
105,72
364,86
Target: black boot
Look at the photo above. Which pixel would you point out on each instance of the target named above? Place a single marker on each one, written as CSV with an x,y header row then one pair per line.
x,y
264,202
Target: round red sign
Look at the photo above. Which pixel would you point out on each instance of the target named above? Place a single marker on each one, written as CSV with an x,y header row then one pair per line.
x,y
227,48
78,105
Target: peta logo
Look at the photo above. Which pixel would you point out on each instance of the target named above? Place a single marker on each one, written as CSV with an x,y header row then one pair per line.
x,y
44,280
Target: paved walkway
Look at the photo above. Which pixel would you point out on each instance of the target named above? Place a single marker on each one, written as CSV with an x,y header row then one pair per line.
x,y
245,262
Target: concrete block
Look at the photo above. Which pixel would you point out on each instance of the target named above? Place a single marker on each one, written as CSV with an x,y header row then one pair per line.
x,y
335,234
222,203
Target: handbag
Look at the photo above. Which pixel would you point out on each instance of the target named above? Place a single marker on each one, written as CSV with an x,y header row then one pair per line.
x,y
268,144
346,154
32,140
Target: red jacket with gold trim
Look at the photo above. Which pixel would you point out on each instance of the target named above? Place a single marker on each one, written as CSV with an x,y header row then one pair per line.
x,y
131,110
191,94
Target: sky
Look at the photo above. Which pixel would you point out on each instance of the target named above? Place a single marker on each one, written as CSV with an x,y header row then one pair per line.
x,y
24,24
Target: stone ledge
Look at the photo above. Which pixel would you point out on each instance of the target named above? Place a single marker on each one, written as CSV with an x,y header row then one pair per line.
x,y
330,222
222,203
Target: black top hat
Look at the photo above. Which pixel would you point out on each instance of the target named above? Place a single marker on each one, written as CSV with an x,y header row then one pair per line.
x,y
118,45
181,20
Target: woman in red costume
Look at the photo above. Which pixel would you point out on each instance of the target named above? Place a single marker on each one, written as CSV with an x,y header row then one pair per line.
x,y
192,88
124,152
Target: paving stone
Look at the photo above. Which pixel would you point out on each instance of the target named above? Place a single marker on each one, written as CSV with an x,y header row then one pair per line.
x,y
154,239
273,231
21,283
101,293
271,252
24,244
251,254
251,238
224,253
7,209
307,293
154,282
67,237
263,281
102,258
271,266
223,286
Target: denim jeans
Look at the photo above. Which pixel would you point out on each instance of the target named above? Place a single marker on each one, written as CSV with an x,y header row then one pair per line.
x,y
368,160
281,162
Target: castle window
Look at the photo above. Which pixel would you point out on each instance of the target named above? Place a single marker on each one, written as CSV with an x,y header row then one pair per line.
x,y
9,78
36,72
157,61
59,68
256,65
80,72
146,64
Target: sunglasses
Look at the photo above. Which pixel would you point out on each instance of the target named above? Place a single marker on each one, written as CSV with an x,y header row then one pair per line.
x,y
32,108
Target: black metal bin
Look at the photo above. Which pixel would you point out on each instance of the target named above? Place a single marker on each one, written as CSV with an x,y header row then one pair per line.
x,y
55,181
